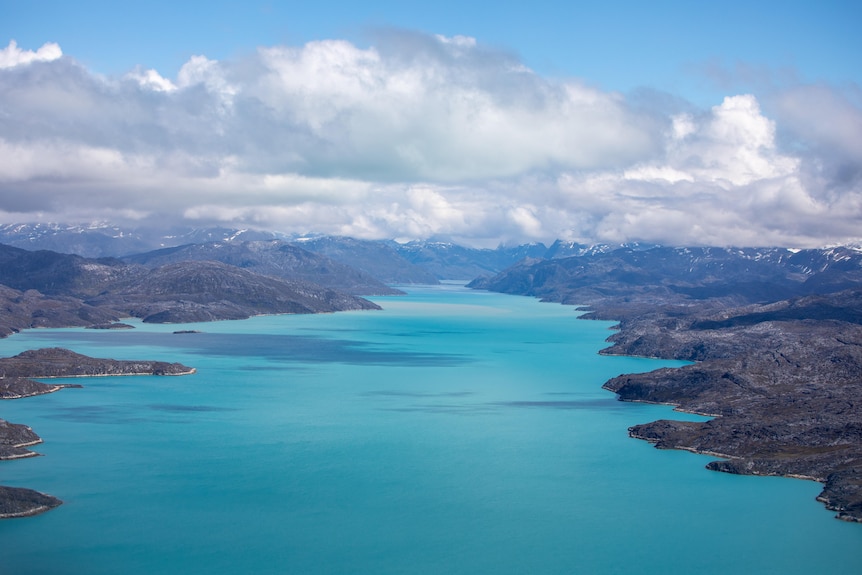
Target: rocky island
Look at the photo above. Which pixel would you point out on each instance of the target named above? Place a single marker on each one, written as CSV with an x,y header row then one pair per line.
x,y
776,337
15,382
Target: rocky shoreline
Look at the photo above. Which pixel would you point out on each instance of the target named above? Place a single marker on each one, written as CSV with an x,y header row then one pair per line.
x,y
776,337
18,502
15,383
783,394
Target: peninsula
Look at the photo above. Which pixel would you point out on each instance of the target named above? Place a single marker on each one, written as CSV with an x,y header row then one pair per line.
x,y
776,337
15,382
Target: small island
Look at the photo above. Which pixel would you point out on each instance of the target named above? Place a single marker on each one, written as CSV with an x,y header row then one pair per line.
x,y
111,325
15,382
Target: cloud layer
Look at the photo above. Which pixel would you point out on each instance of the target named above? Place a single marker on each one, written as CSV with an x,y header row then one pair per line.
x,y
417,137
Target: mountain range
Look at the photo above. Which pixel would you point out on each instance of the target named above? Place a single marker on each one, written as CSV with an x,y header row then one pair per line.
x,y
390,262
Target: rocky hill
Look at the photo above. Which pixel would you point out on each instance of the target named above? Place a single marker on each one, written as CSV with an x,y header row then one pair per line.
x,y
777,340
275,258
205,291
30,309
57,274
47,289
662,274
378,259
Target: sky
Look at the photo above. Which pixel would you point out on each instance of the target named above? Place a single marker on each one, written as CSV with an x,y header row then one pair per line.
x,y
727,124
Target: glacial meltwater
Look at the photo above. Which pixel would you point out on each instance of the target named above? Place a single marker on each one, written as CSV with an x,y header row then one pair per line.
x,y
455,432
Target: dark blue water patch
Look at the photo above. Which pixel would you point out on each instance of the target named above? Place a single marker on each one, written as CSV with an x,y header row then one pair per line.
x,y
120,414
269,368
274,347
428,333
396,393
446,408
430,407
589,404
494,406
100,414
187,408
330,329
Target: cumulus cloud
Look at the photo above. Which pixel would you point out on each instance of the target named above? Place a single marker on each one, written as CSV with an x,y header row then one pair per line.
x,y
420,136
12,55
723,180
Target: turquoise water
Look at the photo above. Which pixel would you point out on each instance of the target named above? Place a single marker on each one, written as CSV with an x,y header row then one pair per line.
x,y
455,432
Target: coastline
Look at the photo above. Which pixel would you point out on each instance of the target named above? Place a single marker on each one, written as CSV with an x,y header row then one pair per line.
x,y
751,395
18,502
28,513
190,371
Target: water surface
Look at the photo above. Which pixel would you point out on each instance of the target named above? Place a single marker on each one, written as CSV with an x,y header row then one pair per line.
x,y
454,432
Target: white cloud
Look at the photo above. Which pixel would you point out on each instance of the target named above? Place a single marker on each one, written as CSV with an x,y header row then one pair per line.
x,y
734,145
525,218
437,116
722,180
12,55
152,80
421,136
657,174
461,41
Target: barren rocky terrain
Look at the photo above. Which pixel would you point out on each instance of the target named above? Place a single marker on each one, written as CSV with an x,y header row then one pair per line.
x,y
776,337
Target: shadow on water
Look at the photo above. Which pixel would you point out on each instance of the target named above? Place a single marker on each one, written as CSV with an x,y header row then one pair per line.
x,y
278,347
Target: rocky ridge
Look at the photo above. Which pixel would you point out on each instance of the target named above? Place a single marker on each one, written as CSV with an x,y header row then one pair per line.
x,y
196,291
274,258
48,289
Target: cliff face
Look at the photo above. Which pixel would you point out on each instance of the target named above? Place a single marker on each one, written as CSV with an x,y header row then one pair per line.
x,y
777,337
